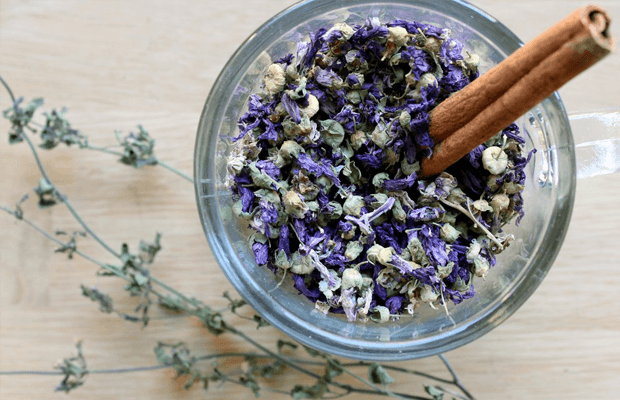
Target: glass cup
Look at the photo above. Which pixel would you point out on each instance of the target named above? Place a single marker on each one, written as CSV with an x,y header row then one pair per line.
x,y
548,196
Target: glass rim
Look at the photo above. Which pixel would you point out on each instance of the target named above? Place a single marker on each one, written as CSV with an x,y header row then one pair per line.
x,y
279,316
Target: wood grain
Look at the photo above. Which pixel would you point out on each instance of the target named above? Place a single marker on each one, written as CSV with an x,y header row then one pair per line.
x,y
116,64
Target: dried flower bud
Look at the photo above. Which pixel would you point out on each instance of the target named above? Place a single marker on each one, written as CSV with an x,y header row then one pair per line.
x,y
322,307
494,160
448,217
380,136
294,205
492,183
500,202
353,205
398,212
301,265
235,165
351,278
409,169
405,120
426,80
449,233
380,314
354,249
384,256
445,270
282,260
343,28
290,149
398,35
482,206
358,139
349,234
312,108
378,199
473,250
417,251
336,209
512,187
472,61
275,79
355,80
292,74
313,206
373,252
355,96
428,294
433,44
378,180
481,267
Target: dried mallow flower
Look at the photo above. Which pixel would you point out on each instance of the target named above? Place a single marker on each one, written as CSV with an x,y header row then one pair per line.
x,y
324,168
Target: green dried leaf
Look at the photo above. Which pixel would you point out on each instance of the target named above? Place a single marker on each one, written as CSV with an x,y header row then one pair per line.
x,y
333,368
149,250
177,356
58,130
71,246
378,375
234,303
434,391
75,371
20,118
315,391
332,132
250,383
195,377
281,344
137,148
212,320
260,321
313,353
106,304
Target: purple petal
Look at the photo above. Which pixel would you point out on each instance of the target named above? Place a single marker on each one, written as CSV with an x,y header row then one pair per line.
x,y
269,212
395,303
269,168
247,198
400,184
291,108
283,241
261,252
311,294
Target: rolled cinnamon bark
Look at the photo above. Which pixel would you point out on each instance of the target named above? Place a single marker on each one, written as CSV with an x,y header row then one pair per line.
x,y
498,97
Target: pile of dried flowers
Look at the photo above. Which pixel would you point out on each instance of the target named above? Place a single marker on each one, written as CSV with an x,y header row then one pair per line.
x,y
325,167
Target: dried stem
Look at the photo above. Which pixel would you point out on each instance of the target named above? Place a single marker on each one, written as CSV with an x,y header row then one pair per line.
x,y
158,161
455,377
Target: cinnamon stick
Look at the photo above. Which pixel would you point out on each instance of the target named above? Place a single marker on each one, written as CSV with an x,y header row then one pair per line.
x,y
498,97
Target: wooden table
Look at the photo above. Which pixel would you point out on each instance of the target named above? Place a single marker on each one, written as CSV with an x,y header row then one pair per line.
x,y
118,64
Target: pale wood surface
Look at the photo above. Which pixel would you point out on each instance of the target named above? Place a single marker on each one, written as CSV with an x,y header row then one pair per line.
x,y
115,64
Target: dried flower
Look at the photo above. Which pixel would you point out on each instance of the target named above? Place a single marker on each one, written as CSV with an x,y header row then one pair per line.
x,y
494,160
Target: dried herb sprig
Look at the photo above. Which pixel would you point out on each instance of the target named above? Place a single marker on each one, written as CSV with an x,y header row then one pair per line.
x,y
134,270
137,148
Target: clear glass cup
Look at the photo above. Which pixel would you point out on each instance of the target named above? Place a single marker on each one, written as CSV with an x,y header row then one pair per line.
x,y
548,196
